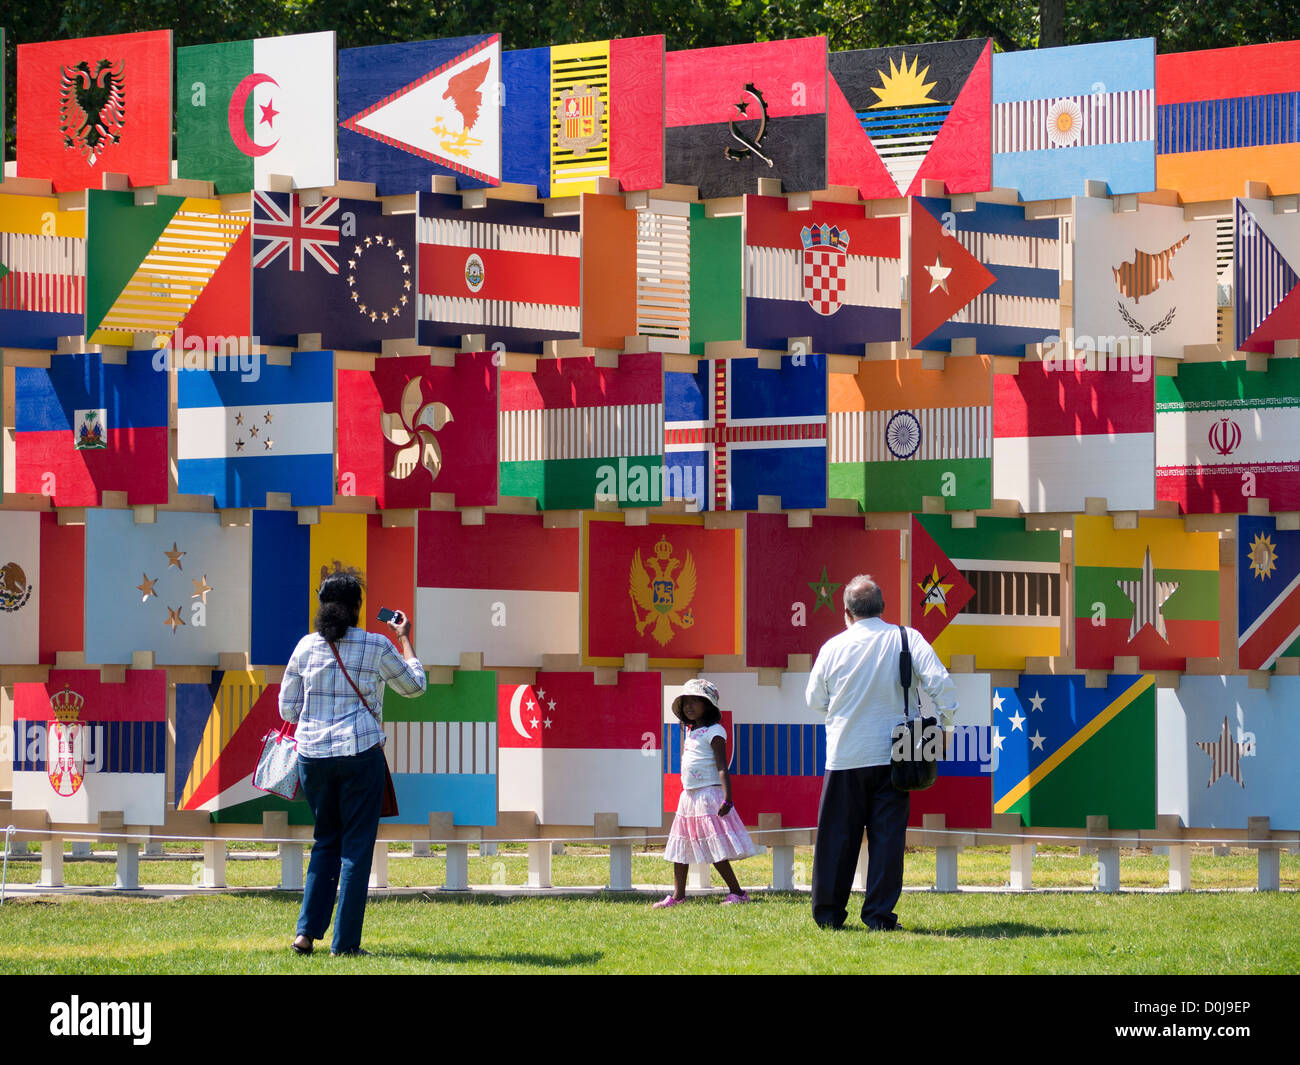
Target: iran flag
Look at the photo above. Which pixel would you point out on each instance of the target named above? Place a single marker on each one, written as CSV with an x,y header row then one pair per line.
x,y
250,109
570,748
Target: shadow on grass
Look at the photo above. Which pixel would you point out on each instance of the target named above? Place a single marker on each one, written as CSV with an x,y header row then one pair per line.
x,y
460,957
998,930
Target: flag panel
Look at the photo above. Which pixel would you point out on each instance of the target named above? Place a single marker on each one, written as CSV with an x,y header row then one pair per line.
x,y
1265,285
1268,592
21,586
609,261
62,588
42,272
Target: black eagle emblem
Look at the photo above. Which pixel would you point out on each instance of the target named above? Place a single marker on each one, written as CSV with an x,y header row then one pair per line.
x,y
93,107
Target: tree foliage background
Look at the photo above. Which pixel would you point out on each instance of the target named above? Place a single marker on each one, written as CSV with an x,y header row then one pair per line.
x,y
1177,25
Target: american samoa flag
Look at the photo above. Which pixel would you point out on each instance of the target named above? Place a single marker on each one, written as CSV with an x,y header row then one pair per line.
x,y
735,431
299,230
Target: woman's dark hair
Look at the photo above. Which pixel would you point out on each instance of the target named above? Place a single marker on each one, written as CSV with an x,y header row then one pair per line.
x,y
340,603
711,716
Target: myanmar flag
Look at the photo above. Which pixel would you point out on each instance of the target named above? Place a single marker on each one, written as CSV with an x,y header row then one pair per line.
x,y
1152,592
250,109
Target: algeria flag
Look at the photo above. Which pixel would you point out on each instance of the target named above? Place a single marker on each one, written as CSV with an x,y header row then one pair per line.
x,y
251,109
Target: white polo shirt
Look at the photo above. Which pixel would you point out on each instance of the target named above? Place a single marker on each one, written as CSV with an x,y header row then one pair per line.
x,y
854,682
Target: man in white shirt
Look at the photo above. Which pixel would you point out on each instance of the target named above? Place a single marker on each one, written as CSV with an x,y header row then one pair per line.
x,y
855,683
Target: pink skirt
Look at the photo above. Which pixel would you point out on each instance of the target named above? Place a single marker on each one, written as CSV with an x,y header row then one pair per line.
x,y
700,835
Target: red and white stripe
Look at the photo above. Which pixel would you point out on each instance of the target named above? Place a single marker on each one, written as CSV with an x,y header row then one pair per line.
x,y
539,435
46,273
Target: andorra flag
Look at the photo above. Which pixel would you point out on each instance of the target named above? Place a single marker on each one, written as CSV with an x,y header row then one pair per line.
x,y
96,106
670,589
250,109
1152,592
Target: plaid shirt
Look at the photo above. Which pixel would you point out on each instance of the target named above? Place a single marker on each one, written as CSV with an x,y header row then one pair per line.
x,y
332,723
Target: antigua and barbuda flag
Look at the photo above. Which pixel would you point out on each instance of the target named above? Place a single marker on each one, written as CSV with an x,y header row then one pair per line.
x,y
1064,749
178,587
1065,116
247,110
572,748
801,573
1227,116
290,562
42,272
95,106
1265,285
830,274
901,115
83,427
1227,752
413,111
735,431
343,269
1152,592
506,270
242,434
83,746
990,273
1268,592
1226,435
747,111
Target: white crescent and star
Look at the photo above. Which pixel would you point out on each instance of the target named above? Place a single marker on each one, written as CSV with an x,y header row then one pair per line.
x,y
516,701
235,116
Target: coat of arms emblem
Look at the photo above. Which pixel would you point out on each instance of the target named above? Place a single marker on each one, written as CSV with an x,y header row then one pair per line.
x,y
578,115
825,269
90,432
15,589
92,107
65,760
666,596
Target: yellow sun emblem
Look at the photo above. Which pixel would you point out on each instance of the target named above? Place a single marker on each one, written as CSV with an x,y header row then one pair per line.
x,y
903,86
1263,557
934,594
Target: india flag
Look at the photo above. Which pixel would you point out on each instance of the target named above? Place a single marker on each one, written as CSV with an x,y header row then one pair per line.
x,y
250,109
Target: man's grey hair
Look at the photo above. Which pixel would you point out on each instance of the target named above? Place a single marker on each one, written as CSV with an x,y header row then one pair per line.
x,y
863,597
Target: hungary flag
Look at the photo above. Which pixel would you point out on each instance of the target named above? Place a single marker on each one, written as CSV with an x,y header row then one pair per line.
x,y
251,109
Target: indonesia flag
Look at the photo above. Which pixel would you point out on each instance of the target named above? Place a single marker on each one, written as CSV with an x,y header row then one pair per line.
x,y
507,588
571,748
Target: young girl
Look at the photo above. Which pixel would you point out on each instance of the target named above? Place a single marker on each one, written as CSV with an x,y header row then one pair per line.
x,y
706,827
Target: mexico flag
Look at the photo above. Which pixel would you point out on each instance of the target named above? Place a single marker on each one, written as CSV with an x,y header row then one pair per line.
x,y
250,109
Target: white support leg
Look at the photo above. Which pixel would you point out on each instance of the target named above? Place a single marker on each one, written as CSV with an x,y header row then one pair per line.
x,y
539,865
81,850
456,874
945,868
52,863
1022,866
860,874
127,874
214,863
1108,868
379,867
698,877
487,850
783,868
421,848
291,866
1180,867
17,847
1270,869
153,848
620,867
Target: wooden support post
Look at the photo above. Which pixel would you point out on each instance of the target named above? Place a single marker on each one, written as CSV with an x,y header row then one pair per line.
x,y
126,876
421,849
782,853
1107,867
153,848
379,866
945,854
487,850
81,850
52,862
605,829
1270,854
539,864
697,876
214,863
291,866
456,877
1022,867
1170,827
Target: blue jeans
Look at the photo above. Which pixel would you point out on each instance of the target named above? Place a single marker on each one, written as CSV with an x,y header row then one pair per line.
x,y
345,796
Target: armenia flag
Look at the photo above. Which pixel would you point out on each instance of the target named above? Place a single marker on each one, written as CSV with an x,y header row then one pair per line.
x,y
1152,592
1067,751
249,109
571,432
1268,592
899,433
735,431
238,439
1065,116
1225,435
83,427
83,747
1227,116
42,272
1265,285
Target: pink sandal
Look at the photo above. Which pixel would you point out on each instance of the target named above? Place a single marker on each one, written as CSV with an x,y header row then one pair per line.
x,y
666,901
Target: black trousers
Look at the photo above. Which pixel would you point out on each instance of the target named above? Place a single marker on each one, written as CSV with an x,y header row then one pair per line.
x,y
854,799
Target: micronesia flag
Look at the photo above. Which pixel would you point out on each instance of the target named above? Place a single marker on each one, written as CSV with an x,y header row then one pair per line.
x,y
734,432
238,439
1063,116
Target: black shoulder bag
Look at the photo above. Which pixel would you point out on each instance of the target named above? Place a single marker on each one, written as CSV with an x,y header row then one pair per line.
x,y
911,766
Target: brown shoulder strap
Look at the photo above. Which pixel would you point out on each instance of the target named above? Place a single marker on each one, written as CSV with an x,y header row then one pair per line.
x,y
350,680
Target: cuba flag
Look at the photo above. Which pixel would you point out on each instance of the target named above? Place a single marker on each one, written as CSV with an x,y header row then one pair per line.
x,y
241,435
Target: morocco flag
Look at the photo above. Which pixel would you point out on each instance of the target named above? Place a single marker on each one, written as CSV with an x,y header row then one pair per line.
x,y
250,109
